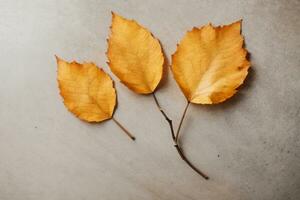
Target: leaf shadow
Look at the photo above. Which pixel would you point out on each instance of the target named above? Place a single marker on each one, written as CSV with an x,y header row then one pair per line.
x,y
166,67
117,99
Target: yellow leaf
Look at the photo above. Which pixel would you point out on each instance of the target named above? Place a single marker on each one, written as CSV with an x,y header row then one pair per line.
x,y
88,92
135,56
210,63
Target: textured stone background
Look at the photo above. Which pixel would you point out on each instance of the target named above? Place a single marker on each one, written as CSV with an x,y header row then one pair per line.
x,y
48,154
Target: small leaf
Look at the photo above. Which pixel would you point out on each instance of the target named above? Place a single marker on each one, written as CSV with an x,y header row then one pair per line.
x,y
210,63
88,92
135,56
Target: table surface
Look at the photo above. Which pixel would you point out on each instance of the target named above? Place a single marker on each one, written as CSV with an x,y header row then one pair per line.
x,y
249,145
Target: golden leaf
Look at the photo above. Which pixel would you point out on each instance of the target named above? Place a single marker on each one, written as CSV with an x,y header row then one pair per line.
x,y
88,92
210,63
135,56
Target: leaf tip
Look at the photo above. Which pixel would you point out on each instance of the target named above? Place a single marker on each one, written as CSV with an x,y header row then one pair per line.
x,y
112,13
239,22
57,58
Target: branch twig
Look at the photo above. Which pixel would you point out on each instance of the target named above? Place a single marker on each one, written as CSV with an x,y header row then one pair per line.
x,y
175,139
165,115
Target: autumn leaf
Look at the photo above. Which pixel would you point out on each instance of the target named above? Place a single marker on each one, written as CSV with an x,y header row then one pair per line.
x,y
210,63
88,92
135,56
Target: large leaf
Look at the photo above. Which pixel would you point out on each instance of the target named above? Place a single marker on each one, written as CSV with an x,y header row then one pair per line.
x,y
210,63
135,56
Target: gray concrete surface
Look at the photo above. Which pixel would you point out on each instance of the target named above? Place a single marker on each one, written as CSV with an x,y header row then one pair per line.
x,y
48,154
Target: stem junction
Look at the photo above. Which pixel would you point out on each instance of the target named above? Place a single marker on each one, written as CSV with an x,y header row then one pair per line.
x,y
176,137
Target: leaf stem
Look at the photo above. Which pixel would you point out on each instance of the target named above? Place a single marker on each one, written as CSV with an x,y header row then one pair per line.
x,y
124,129
181,120
176,143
